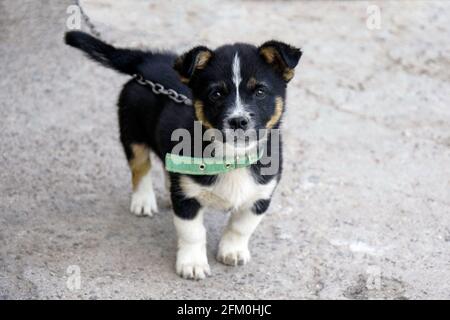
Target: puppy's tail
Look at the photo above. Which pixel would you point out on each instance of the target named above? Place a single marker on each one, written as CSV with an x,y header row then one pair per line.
x,y
122,60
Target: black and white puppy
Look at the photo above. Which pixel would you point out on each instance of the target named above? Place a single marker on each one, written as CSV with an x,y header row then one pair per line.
x,y
237,86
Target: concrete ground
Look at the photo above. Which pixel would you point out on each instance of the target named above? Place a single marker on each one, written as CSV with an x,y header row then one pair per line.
x,y
363,209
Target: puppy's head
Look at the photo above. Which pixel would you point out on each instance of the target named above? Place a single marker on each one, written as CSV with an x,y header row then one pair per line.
x,y
239,86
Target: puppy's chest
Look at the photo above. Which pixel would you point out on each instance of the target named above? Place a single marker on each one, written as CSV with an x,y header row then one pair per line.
x,y
230,191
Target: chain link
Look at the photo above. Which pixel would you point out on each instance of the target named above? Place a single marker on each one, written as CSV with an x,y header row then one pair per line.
x,y
88,21
156,87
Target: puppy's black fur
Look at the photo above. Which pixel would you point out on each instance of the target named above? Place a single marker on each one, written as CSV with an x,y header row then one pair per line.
x,y
205,76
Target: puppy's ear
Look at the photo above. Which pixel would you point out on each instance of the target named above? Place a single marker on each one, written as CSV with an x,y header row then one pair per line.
x,y
281,56
195,59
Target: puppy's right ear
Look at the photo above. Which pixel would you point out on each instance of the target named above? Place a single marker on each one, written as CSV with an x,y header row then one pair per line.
x,y
195,59
281,56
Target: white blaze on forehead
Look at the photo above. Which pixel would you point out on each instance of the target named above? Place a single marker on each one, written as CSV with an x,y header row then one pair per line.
x,y
237,71
238,107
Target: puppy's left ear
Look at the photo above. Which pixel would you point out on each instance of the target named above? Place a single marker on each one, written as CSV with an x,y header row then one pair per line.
x,y
283,57
195,59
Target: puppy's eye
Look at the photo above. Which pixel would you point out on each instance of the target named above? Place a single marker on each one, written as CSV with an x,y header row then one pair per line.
x,y
215,95
260,93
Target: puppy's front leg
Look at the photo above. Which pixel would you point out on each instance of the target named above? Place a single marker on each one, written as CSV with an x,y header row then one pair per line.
x,y
233,247
192,262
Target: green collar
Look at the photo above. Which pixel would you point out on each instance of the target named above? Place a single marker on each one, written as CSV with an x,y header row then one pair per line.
x,y
207,166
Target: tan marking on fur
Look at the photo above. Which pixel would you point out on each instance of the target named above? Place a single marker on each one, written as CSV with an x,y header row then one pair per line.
x,y
140,163
200,63
288,74
269,54
184,79
202,59
251,84
198,105
277,114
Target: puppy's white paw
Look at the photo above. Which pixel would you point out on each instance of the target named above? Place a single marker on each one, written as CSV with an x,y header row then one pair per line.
x,y
234,257
233,251
192,264
193,271
143,204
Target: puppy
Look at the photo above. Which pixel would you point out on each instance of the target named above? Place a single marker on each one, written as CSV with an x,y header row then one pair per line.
x,y
237,87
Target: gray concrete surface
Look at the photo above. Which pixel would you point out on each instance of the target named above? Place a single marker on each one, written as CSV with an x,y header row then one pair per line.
x,y
362,212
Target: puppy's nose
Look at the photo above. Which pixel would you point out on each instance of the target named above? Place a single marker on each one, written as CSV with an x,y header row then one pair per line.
x,y
238,123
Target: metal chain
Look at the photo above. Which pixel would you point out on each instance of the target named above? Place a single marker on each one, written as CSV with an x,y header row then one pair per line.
x,y
156,87
88,21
